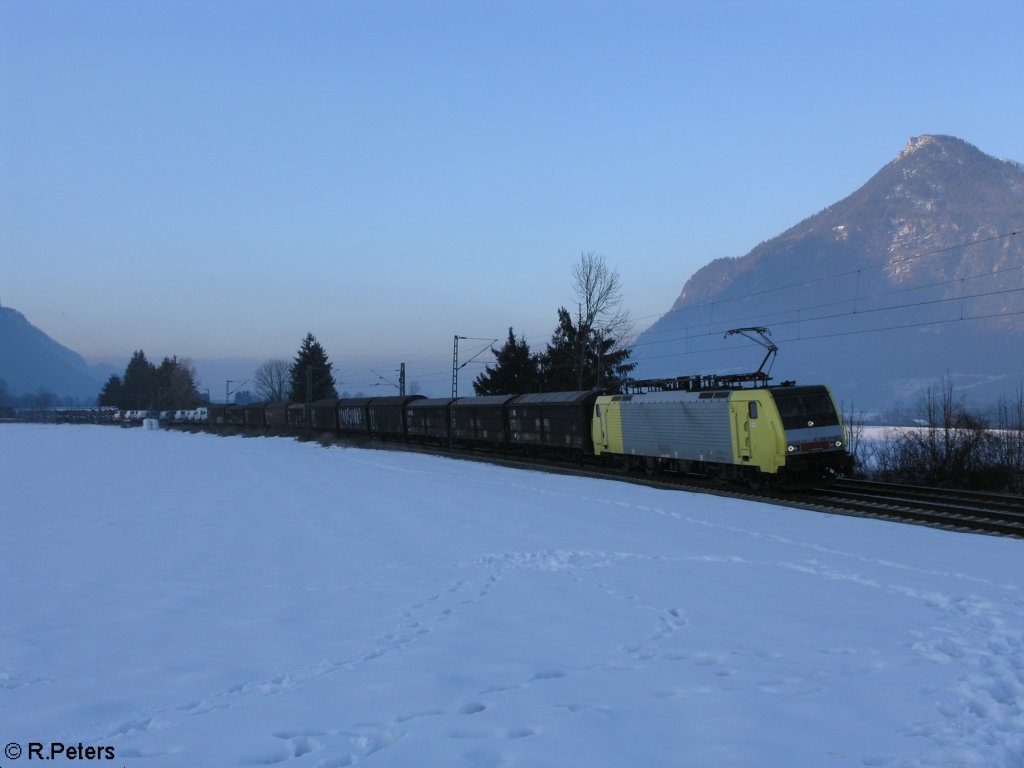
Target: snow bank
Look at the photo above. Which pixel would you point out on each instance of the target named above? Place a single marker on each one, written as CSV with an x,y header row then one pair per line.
x,y
199,601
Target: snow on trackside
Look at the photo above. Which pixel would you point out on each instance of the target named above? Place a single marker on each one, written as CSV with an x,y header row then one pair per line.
x,y
191,600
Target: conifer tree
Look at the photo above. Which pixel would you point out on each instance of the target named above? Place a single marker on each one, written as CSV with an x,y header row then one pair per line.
x,y
176,384
311,365
516,373
138,386
579,357
169,387
112,392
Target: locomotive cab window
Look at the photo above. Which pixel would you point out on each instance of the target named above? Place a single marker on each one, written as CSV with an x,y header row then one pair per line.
x,y
805,407
752,409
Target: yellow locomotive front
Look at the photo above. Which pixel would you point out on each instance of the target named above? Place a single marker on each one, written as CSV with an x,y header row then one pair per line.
x,y
815,440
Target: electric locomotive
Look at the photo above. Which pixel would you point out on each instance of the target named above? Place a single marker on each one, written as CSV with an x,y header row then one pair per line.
x,y
783,435
733,427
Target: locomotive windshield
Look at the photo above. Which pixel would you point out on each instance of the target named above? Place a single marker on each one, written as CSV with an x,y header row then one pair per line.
x,y
802,407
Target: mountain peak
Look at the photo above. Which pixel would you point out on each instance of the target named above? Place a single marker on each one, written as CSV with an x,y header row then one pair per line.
x,y
925,244
941,149
916,143
943,145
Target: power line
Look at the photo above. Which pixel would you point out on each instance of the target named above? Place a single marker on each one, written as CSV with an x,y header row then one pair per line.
x,y
715,303
856,332
832,316
435,367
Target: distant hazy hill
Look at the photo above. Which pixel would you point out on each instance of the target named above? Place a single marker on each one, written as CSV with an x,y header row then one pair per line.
x,y
913,276
30,360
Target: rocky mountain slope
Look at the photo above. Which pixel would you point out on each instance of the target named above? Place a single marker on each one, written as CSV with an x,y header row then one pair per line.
x,y
916,275
30,360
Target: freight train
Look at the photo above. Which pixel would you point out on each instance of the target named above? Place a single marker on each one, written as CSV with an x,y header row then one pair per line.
x,y
782,435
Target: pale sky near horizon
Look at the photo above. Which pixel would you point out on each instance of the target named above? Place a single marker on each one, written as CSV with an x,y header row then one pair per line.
x,y
215,179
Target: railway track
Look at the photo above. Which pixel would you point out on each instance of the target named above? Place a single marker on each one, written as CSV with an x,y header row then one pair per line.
x,y
954,510
965,511
973,511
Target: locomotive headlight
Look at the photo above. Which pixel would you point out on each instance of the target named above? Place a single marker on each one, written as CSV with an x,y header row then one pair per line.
x,y
839,443
791,448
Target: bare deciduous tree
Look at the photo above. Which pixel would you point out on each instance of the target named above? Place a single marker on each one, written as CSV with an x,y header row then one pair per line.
x,y
599,292
953,447
272,380
1010,438
592,351
857,446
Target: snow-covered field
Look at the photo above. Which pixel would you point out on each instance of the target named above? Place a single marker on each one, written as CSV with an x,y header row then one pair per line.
x,y
192,600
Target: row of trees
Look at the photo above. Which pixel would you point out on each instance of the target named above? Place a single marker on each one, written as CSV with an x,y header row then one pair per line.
x,y
953,446
41,399
587,352
309,377
166,387
172,384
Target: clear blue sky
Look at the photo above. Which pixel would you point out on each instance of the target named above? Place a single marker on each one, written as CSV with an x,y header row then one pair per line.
x,y
215,179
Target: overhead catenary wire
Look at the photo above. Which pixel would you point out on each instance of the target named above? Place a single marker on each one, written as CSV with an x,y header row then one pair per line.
x,y
859,305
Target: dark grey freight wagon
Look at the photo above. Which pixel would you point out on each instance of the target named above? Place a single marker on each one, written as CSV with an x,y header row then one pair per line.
x,y
552,420
386,415
235,414
255,414
216,414
276,415
481,419
297,415
325,415
352,417
429,420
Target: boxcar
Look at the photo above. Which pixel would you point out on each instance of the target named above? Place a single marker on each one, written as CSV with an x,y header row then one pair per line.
x,y
553,420
325,415
217,413
386,415
352,417
481,419
297,415
276,415
254,415
429,420
235,414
